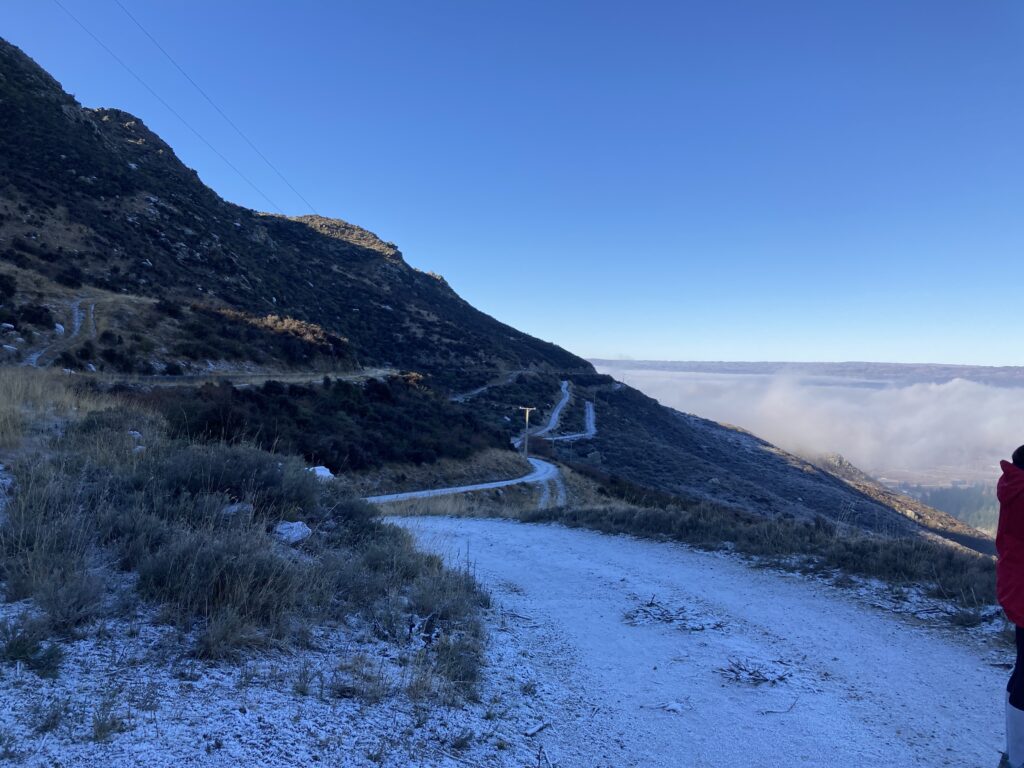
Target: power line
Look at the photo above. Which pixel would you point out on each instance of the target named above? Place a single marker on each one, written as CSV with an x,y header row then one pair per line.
x,y
213,104
171,109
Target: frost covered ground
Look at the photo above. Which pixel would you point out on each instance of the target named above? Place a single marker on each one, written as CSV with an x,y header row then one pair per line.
x,y
665,656
604,651
128,695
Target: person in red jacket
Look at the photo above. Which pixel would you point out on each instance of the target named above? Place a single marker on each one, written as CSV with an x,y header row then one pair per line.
x,y
1010,592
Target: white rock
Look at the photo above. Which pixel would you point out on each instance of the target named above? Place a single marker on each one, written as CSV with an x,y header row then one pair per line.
x,y
9,348
322,473
134,434
59,329
91,368
292,533
139,449
7,326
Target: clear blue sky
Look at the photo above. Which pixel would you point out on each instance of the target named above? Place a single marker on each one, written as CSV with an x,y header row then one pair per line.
x,y
726,179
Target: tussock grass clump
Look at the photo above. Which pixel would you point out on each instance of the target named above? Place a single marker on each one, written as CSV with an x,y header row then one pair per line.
x,y
23,640
953,572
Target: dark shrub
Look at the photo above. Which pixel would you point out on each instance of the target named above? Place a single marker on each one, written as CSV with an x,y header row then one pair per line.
x,y
35,314
8,287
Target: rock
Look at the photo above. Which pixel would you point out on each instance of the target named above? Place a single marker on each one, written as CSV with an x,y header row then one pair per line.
x,y
91,368
292,533
322,473
134,434
59,329
7,326
9,348
238,508
139,449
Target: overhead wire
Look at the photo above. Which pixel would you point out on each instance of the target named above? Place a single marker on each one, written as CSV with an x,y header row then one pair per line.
x,y
169,108
214,104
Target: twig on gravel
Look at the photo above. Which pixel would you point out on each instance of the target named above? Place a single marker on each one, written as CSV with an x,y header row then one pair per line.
x,y
534,730
780,711
524,621
517,615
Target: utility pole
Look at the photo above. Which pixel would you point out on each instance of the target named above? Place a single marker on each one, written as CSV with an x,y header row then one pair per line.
x,y
526,437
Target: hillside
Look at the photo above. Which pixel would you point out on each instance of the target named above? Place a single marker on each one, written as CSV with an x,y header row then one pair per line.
x,y
104,231
93,201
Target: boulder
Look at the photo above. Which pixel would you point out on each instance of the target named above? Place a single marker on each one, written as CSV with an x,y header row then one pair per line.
x,y
322,473
292,533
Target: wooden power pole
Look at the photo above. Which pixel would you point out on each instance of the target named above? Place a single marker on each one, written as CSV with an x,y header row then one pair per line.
x,y
526,437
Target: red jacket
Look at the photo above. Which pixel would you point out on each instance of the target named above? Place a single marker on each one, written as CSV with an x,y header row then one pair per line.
x,y
1010,543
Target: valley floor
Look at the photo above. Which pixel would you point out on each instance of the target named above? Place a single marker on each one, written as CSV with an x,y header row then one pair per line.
x,y
640,653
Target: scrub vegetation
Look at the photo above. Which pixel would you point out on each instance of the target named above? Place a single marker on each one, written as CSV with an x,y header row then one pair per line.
x,y
111,509
338,424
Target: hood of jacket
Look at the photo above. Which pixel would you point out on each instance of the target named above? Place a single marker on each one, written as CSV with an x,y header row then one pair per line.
x,y
1011,484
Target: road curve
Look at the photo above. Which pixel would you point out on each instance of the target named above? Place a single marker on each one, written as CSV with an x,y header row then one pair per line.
x,y
556,413
589,427
543,472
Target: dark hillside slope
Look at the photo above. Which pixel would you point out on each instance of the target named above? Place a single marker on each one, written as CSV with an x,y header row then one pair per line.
x,y
92,199
106,232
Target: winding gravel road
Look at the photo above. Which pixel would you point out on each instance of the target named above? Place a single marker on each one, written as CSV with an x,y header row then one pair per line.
x,y
543,472
660,655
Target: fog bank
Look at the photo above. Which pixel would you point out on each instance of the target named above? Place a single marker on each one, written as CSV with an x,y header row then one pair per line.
x,y
916,431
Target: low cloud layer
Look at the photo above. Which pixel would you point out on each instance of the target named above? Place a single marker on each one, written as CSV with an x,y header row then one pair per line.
x,y
956,429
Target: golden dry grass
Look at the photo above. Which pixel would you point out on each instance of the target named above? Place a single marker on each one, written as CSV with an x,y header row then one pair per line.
x,y
30,397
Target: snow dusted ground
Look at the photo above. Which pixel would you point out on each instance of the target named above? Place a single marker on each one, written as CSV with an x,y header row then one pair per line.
x,y
652,654
128,694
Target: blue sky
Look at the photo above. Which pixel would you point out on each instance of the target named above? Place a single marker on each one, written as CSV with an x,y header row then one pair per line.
x,y
727,180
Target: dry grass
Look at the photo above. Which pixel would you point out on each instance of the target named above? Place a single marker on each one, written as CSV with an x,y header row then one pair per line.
x,y
511,502
31,397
